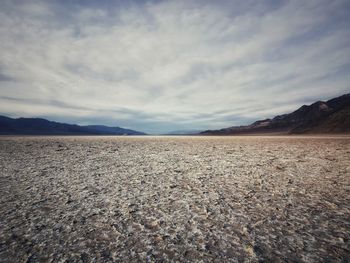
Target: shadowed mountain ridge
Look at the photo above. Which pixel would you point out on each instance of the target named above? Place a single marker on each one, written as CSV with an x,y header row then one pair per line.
x,y
38,126
332,116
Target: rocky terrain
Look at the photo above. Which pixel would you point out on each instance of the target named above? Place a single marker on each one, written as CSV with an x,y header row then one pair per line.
x,y
332,116
185,199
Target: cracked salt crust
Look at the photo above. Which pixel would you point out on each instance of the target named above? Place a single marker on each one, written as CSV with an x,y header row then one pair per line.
x,y
186,199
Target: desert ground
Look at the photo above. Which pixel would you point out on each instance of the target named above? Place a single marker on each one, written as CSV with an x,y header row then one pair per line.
x,y
185,199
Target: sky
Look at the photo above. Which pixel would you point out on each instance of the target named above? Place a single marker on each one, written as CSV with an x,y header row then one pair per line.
x,y
159,66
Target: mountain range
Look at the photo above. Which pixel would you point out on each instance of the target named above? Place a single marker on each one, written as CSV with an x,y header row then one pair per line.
x,y
332,116
38,126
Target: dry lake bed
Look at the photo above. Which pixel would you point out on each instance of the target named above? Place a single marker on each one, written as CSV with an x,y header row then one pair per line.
x,y
185,199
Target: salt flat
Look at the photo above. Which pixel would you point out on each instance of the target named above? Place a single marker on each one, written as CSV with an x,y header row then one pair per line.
x,y
156,199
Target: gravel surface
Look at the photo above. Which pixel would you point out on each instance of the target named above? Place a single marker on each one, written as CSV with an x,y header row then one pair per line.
x,y
186,199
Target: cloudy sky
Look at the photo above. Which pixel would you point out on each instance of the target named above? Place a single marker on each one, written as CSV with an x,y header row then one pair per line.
x,y
158,66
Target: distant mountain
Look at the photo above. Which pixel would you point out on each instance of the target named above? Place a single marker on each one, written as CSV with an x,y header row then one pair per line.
x,y
113,130
37,126
183,132
332,116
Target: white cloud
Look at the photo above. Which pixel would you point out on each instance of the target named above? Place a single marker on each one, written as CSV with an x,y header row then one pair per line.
x,y
158,66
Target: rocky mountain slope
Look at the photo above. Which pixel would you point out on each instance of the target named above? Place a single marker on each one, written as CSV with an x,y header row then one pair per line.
x,y
37,126
332,116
